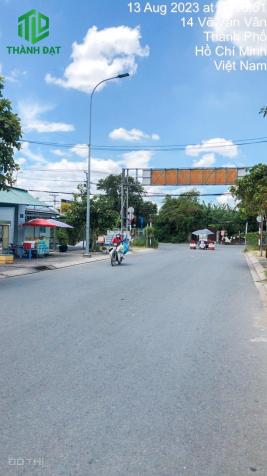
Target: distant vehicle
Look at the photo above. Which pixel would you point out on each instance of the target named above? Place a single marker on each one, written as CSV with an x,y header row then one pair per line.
x,y
193,245
211,246
227,241
202,245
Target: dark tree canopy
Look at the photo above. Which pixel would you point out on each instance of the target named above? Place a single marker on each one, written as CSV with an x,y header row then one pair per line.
x,y
10,135
111,186
105,207
251,191
178,217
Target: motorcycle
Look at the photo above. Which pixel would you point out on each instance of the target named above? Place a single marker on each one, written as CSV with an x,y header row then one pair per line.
x,y
116,255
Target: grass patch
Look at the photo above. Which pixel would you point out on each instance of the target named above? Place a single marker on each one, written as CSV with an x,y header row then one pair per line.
x,y
141,241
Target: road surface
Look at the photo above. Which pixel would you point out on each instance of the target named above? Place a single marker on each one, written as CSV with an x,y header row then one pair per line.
x,y
157,367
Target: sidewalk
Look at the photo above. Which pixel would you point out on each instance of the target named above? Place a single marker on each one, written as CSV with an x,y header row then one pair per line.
x,y
258,268
55,260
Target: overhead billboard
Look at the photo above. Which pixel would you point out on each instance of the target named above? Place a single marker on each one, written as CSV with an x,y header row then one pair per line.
x,y
195,176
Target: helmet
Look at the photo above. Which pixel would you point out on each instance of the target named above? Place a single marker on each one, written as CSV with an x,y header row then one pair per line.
x,y
118,235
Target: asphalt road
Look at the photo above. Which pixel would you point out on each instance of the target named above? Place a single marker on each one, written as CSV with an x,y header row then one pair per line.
x,y
157,367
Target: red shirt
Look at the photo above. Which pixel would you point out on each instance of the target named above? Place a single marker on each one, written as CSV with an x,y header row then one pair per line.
x,y
116,240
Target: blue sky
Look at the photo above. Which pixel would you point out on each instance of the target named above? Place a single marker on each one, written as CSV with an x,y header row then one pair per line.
x,y
172,96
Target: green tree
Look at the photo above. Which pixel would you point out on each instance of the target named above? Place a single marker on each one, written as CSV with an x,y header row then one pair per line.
x,y
10,134
75,215
224,217
251,191
178,217
103,216
111,186
105,208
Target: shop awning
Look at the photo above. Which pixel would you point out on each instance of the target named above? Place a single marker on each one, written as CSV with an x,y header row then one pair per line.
x,y
49,223
59,224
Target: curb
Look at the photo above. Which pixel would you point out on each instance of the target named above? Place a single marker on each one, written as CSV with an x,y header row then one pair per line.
x,y
258,276
13,273
50,267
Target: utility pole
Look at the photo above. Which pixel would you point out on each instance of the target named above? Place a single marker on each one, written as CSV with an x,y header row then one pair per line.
x,y
261,235
246,232
122,198
127,199
54,195
88,194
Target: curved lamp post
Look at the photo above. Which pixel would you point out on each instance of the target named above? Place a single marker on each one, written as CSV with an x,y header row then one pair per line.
x,y
88,204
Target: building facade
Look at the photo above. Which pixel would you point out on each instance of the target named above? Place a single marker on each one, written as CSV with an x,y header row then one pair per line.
x,y
17,206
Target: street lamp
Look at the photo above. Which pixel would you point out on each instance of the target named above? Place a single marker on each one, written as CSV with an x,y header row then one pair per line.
x,y
88,202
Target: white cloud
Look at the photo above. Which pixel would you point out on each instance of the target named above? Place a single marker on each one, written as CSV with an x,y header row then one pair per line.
x,y
14,76
81,150
107,166
21,161
26,152
223,147
59,153
102,54
226,199
30,113
206,161
137,159
170,190
133,159
131,135
61,176
236,18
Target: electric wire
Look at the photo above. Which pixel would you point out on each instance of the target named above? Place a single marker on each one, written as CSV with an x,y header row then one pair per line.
x,y
144,194
156,148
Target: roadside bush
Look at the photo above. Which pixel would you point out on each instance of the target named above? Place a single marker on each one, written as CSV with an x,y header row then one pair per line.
x,y
62,236
139,241
154,243
253,240
145,242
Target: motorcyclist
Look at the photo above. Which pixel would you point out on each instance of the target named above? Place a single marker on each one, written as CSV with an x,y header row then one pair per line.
x,y
117,239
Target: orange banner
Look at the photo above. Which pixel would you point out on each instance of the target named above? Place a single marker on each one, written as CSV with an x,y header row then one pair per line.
x,y
211,176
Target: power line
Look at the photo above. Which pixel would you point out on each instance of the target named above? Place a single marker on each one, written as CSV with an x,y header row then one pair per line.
x,y
51,191
62,170
156,148
36,179
49,180
144,195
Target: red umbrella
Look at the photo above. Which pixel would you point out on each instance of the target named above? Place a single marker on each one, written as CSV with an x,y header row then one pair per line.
x,y
40,222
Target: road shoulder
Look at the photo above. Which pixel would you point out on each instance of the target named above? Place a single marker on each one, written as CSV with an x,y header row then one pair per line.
x,y
258,275
55,262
